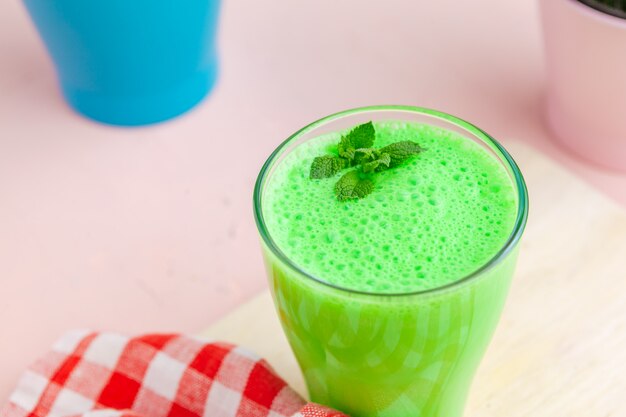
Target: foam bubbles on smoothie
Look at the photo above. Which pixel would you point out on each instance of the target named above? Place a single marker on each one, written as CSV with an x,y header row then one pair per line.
x,y
428,222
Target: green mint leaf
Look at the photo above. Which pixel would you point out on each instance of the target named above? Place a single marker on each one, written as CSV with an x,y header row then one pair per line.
x,y
385,159
401,151
369,153
364,155
347,153
370,166
351,186
326,166
379,164
362,136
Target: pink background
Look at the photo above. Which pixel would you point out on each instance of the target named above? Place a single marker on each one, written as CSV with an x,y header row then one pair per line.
x,y
151,229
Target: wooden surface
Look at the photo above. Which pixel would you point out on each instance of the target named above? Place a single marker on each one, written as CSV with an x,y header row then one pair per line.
x,y
560,348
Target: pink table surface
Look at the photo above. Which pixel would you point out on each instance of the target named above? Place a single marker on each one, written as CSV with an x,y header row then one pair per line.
x,y
151,229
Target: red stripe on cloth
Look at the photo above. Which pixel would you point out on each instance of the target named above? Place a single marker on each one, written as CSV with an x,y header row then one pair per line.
x,y
135,359
60,377
209,360
316,410
119,392
158,341
249,408
263,385
193,391
63,373
178,411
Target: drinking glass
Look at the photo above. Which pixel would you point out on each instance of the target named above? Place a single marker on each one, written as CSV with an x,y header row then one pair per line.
x,y
390,355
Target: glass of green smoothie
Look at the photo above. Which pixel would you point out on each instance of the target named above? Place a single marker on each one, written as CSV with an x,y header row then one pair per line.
x,y
390,236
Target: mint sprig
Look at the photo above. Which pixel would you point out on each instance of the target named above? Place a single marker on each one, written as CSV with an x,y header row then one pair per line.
x,y
401,151
361,137
327,166
352,185
382,161
356,150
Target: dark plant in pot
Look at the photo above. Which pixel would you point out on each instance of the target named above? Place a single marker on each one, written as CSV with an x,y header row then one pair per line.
x,y
613,7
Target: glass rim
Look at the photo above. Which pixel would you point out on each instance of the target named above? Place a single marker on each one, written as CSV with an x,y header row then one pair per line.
x,y
504,157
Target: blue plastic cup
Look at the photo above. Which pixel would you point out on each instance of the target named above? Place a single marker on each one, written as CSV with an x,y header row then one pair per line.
x,y
130,62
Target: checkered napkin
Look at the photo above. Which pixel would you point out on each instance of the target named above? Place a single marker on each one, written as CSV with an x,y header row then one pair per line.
x,y
90,374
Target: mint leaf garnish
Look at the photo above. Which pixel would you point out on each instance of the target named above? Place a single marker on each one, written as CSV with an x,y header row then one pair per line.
x,y
351,186
384,160
379,164
362,136
326,166
364,155
356,149
401,151
348,153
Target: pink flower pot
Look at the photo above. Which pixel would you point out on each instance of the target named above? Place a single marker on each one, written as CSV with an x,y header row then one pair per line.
x,y
586,63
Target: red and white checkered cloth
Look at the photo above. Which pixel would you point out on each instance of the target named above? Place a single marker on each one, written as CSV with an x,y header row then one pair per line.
x,y
108,375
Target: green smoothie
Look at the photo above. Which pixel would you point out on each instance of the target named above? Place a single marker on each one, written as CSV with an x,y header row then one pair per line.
x,y
376,302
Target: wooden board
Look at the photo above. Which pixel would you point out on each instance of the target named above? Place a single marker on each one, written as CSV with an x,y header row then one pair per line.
x,y
560,348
